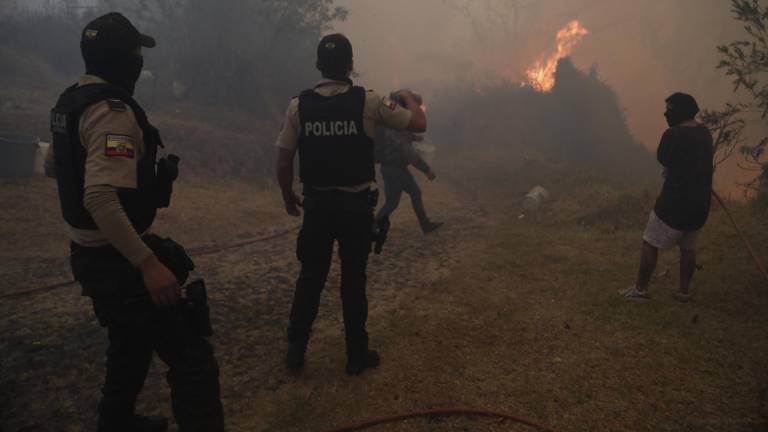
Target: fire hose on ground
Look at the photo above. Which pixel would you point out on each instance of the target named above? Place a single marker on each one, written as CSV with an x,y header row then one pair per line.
x,y
199,251
441,413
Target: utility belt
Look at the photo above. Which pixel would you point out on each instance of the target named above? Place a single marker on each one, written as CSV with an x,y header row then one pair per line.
x,y
338,200
118,289
106,262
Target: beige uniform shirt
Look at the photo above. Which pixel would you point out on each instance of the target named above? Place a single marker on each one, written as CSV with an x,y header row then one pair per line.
x,y
378,111
114,144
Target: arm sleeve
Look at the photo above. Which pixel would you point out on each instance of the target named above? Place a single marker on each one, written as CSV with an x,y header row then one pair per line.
x,y
103,204
667,148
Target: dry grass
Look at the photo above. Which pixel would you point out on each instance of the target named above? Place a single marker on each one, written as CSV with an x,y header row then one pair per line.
x,y
520,316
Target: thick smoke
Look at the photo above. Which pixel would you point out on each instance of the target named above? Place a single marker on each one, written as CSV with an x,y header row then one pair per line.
x,y
644,50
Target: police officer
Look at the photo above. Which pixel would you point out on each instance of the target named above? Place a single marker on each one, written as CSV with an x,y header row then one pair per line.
x,y
332,126
395,152
104,160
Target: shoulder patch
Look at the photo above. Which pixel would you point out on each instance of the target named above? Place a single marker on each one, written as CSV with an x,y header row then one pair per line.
x,y
389,103
117,105
120,146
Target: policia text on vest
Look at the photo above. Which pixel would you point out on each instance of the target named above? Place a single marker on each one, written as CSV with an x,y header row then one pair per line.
x,y
330,128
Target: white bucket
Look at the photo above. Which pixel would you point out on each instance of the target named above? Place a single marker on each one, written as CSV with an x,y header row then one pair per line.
x,y
535,199
40,155
426,150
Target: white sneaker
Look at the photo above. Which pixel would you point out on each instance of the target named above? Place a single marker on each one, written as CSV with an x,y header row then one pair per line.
x,y
634,293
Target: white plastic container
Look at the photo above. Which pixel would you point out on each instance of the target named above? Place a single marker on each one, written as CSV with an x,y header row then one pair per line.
x,y
535,199
42,151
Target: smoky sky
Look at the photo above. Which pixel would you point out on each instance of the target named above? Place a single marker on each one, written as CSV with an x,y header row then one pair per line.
x,y
645,50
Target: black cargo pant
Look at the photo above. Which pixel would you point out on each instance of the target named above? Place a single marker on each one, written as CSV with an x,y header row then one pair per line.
x,y
137,328
328,217
398,179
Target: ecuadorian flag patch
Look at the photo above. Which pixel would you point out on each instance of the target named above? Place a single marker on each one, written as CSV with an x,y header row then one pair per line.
x,y
120,146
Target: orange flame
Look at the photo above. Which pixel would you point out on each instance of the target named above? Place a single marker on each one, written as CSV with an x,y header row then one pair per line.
x,y
541,76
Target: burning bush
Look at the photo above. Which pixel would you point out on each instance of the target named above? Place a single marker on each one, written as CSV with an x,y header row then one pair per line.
x,y
579,121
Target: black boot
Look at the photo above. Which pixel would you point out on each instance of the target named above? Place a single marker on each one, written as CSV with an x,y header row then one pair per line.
x,y
357,364
137,423
430,227
294,359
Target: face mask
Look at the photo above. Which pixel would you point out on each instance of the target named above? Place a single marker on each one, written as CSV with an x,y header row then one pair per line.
x,y
133,71
122,71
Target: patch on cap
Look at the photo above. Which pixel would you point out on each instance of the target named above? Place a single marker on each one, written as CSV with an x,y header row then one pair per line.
x,y
330,45
90,34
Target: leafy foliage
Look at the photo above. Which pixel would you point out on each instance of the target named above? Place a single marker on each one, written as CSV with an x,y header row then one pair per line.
x,y
727,128
746,62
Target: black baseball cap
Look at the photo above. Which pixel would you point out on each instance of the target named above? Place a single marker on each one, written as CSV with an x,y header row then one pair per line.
x,y
334,49
114,31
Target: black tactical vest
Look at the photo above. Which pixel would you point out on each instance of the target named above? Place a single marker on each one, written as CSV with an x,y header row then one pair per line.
x,y
70,155
333,147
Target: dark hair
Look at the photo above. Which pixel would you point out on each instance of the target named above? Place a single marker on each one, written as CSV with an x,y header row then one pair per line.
x,y
683,105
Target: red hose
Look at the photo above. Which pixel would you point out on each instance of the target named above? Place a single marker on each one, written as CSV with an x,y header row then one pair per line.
x,y
440,412
194,252
216,249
